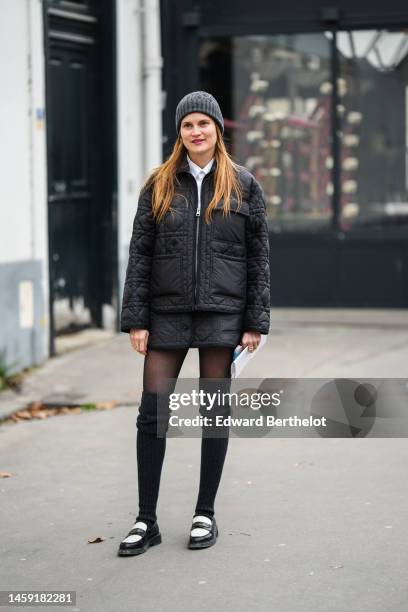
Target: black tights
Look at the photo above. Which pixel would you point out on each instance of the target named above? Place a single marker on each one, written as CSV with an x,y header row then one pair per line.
x,y
215,362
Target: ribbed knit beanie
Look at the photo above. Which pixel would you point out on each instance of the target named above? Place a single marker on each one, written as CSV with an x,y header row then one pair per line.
x,y
199,102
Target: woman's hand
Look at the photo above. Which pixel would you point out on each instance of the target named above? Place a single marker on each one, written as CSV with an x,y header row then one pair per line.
x,y
251,340
138,340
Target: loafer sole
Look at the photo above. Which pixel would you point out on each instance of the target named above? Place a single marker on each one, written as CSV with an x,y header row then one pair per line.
x,y
130,552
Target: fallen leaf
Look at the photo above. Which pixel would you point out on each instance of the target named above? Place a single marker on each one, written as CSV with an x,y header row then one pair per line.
x,y
106,405
23,414
38,410
38,405
96,540
5,474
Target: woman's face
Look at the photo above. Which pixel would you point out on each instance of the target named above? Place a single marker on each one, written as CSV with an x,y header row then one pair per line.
x,y
198,134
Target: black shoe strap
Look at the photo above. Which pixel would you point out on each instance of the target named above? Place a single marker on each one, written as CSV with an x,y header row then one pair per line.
x,y
202,525
137,531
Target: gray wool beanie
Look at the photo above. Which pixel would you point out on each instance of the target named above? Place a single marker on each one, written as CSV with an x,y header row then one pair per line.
x,y
199,102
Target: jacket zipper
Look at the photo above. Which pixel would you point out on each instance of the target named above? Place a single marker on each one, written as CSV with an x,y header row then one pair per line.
x,y
197,233
197,236
197,215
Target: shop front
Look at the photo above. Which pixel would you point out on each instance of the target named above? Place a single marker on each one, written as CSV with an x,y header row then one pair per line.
x,y
315,106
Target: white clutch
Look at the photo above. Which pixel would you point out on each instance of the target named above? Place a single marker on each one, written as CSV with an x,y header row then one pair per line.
x,y
242,357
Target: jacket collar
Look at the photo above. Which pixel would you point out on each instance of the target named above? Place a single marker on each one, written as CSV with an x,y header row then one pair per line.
x,y
184,165
196,170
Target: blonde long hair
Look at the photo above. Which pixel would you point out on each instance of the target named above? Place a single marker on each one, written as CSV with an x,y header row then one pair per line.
x,y
163,180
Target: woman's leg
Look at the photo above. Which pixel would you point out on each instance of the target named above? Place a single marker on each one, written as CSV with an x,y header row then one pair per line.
x,y
214,363
158,364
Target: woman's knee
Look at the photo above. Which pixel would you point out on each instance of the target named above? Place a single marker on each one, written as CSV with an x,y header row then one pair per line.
x,y
154,414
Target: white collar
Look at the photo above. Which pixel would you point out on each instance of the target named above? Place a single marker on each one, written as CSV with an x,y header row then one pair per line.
x,y
195,170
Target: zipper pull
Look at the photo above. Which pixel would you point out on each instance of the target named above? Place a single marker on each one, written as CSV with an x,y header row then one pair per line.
x,y
198,212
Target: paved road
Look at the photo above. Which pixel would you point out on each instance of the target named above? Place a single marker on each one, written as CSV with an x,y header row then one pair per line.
x,y
305,524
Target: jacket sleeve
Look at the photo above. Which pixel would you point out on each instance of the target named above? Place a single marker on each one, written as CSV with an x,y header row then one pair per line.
x,y
136,292
257,312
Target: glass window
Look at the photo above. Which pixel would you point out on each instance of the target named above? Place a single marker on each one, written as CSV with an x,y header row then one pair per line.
x,y
275,94
373,111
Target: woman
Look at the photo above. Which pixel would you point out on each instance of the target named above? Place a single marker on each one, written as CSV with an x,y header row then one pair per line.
x,y
198,276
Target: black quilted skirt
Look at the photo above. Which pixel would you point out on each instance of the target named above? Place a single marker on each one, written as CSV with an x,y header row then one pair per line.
x,y
194,329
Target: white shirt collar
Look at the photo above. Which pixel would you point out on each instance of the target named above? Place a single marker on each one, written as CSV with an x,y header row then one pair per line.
x,y
195,170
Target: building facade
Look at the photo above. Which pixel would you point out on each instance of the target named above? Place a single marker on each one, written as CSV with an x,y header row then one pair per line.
x,y
81,81
314,97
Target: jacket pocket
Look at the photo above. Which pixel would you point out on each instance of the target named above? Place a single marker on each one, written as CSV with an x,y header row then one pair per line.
x,y
232,227
228,276
167,275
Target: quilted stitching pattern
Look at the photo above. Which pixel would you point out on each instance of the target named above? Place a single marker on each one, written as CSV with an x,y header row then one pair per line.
x,y
136,294
194,329
257,313
176,236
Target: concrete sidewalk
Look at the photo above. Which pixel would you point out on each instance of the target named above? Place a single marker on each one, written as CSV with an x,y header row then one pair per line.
x,y
302,343
305,524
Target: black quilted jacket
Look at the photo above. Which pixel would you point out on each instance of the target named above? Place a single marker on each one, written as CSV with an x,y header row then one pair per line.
x,y
183,264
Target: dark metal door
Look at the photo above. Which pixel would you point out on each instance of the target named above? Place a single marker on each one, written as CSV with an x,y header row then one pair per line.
x,y
71,141
80,188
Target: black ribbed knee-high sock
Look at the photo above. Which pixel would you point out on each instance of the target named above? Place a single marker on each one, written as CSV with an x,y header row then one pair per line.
x,y
213,452
159,365
215,363
150,456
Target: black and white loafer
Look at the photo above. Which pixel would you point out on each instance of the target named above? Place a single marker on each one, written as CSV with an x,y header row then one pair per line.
x,y
139,539
204,532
